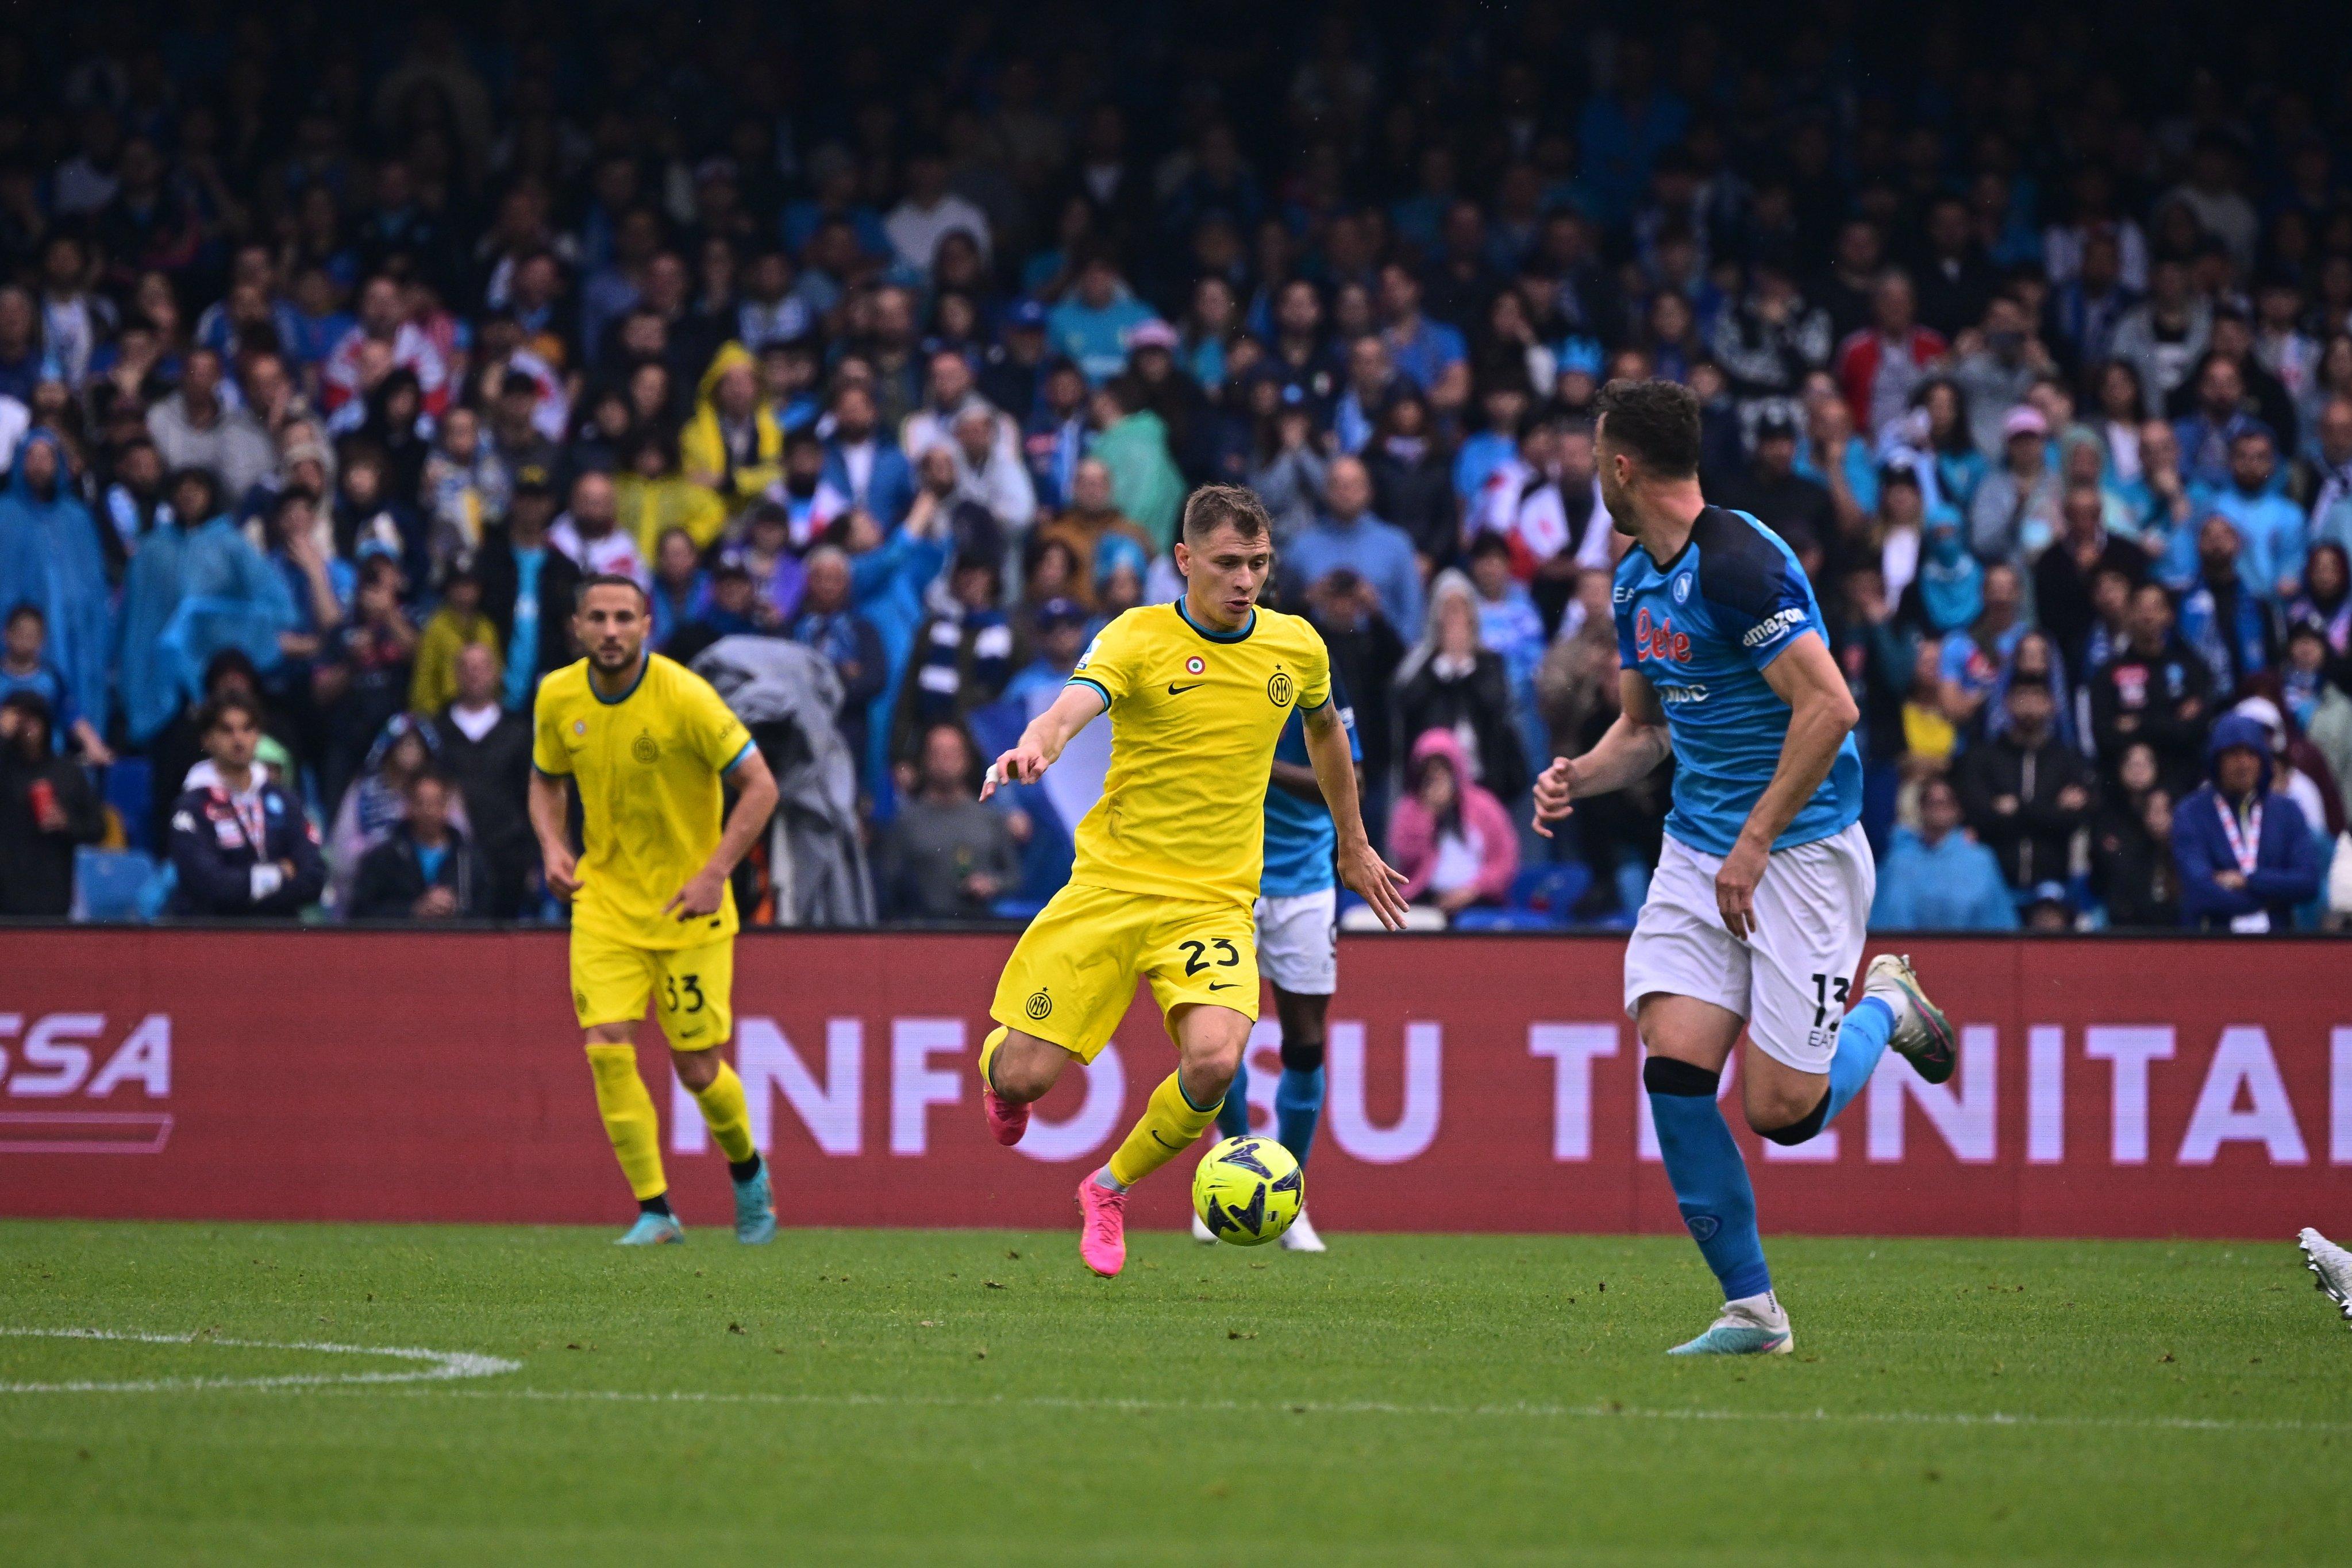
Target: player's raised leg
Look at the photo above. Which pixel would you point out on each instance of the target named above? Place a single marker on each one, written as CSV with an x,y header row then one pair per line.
x,y
2331,1268
1209,1041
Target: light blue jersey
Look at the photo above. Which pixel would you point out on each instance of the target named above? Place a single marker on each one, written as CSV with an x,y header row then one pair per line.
x,y
1703,628
1300,840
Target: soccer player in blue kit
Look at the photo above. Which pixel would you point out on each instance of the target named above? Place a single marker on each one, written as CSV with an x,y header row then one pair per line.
x,y
1298,951
1756,915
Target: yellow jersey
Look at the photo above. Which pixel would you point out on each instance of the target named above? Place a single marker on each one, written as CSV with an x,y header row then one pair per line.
x,y
1194,715
647,766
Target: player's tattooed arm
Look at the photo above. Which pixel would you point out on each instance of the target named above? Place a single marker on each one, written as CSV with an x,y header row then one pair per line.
x,y
1078,706
1820,712
1361,867
1629,753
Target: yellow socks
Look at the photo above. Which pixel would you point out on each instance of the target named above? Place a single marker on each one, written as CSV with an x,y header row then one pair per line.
x,y
988,1055
1169,1124
629,1119
728,1113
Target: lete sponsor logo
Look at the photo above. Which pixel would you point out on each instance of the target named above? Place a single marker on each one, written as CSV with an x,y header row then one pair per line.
x,y
1658,639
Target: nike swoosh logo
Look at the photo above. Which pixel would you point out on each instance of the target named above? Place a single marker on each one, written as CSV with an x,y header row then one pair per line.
x,y
1221,985
1164,1142
1176,691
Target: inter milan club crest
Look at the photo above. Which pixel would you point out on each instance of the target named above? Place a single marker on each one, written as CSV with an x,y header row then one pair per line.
x,y
1277,689
1039,1004
1194,665
644,749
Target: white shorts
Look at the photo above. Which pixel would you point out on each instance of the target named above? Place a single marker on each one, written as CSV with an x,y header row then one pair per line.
x,y
1299,942
1790,980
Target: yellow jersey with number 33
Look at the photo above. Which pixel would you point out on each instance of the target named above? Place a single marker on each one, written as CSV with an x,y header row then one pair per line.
x,y
1194,715
647,766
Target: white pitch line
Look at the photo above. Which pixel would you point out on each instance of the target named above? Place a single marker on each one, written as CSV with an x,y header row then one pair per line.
x,y
1600,1411
439,1365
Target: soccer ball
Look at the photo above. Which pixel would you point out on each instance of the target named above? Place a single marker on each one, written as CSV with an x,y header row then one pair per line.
x,y
1248,1190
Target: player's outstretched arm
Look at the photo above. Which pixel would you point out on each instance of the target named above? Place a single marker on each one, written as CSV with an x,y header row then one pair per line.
x,y
1627,754
550,803
1041,742
755,805
1820,712
1371,879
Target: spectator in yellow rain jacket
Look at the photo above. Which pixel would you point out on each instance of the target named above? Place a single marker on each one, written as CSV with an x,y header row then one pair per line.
x,y
653,497
733,445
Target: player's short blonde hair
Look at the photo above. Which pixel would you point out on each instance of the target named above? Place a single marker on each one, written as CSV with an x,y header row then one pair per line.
x,y
1213,507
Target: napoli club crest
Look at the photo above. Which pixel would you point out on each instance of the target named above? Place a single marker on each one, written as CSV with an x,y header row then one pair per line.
x,y
1682,588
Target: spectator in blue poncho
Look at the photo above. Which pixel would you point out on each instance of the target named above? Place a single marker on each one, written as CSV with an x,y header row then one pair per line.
x,y
51,560
193,589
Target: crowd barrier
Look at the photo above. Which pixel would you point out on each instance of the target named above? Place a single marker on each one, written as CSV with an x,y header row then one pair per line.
x,y
2108,1087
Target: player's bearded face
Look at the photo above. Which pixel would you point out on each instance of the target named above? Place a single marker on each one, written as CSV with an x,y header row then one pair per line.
x,y
611,628
1614,492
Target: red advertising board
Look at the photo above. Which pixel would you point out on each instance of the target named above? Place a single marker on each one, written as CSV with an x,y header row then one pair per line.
x,y
2106,1088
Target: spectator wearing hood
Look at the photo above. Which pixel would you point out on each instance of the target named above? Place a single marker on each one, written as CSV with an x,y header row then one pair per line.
x,y
2024,791
652,497
1452,840
733,445
194,589
2247,856
1936,877
51,558
1946,594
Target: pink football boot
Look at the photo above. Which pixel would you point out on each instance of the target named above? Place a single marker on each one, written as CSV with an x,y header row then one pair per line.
x,y
1102,1237
1007,1121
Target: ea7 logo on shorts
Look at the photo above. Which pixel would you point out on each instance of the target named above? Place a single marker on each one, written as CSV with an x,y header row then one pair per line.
x,y
1773,627
1658,639
1039,1005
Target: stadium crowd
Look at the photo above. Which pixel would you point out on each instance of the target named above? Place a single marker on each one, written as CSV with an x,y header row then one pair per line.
x,y
332,357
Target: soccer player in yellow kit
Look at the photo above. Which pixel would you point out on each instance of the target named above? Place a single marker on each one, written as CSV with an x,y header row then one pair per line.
x,y
646,742
1169,859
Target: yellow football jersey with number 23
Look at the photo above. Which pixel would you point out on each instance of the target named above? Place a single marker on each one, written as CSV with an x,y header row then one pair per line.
x,y
1194,716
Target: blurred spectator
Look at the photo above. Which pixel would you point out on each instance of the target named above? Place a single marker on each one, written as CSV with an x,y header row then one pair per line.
x,y
2319,706
2222,617
1088,520
1972,660
2131,846
240,845
652,498
194,589
1090,326
2025,792
589,532
864,471
1132,440
2155,691
2272,532
50,559
1452,684
963,658
2015,513
195,427
1366,651
484,752
47,810
733,445
1350,537
424,868
1775,494
458,624
2064,573
1413,485
1937,877
1452,840
528,589
946,856
25,666
1879,366
2246,855
829,624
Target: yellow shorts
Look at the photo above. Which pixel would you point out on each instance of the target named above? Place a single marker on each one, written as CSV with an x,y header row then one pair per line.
x,y
1073,971
692,987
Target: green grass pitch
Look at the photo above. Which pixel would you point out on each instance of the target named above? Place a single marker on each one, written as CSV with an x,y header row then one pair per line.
x,y
974,1397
